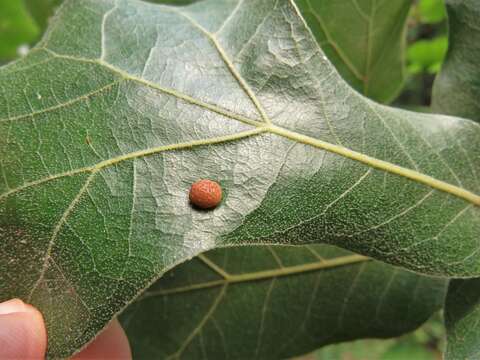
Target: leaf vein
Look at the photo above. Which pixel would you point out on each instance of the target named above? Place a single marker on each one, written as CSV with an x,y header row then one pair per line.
x,y
263,275
231,67
201,324
58,227
261,329
137,154
63,105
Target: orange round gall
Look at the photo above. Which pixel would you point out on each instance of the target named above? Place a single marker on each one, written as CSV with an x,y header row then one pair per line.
x,y
205,194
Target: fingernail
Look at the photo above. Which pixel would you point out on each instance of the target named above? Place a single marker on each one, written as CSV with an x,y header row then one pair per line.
x,y
12,306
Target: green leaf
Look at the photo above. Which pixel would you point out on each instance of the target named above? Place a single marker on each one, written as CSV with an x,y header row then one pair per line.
x,y
376,80
16,28
42,10
365,40
431,11
427,55
457,89
462,311
124,104
274,303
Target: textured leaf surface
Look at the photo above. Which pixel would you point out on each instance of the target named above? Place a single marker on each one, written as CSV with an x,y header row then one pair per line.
x,y
456,91
462,314
457,88
105,129
365,39
274,303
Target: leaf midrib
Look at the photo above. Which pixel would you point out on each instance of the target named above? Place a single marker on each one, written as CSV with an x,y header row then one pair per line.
x,y
259,128
227,279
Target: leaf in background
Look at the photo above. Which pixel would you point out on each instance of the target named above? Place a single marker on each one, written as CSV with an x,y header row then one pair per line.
x,y
365,40
100,146
427,55
431,11
457,88
16,28
462,314
456,91
42,10
275,302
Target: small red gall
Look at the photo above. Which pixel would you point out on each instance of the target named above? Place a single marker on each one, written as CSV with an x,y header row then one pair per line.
x,y
205,194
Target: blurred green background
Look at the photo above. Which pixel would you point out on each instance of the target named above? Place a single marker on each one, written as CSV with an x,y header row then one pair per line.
x,y
22,23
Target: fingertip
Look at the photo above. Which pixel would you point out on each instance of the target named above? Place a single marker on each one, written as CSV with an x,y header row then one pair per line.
x,y
22,331
12,306
111,343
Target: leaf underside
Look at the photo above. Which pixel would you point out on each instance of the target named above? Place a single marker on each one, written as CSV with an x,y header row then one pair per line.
x,y
462,311
103,131
457,88
456,91
275,303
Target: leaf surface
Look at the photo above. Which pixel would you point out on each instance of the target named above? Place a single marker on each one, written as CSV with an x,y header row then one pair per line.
x,y
462,312
457,89
275,303
365,39
105,129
